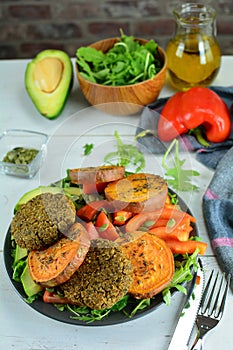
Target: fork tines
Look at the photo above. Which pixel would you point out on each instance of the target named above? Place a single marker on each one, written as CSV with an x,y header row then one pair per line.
x,y
214,295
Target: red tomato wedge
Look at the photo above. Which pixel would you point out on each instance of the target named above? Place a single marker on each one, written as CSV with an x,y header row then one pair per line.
x,y
50,297
90,188
89,211
105,228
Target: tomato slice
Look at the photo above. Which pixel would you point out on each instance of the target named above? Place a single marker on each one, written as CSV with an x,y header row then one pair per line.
x,y
92,187
105,227
89,211
121,216
50,297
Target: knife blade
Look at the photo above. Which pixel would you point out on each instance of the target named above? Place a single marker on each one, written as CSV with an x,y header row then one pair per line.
x,y
188,314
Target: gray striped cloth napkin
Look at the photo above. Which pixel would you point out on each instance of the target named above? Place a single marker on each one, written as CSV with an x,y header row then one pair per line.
x,y
218,198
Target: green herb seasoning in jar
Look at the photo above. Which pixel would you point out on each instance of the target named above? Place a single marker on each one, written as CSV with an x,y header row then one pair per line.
x,y
193,54
20,155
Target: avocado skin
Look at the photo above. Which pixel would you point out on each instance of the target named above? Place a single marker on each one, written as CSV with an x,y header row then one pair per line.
x,y
50,105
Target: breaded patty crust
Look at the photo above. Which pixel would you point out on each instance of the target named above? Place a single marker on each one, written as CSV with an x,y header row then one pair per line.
x,y
41,221
103,278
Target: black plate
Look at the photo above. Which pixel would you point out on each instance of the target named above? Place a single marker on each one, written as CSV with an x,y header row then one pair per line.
x,y
65,316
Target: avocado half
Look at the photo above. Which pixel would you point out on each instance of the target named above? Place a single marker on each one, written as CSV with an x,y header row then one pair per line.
x,y
48,80
35,192
69,191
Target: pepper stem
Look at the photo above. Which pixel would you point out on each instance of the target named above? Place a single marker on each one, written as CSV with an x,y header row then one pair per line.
x,y
197,132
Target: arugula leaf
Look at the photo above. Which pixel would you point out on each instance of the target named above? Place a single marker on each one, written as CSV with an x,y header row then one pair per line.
x,y
91,54
173,198
183,273
127,62
88,315
140,306
126,154
151,46
87,72
84,313
121,304
31,299
177,177
88,147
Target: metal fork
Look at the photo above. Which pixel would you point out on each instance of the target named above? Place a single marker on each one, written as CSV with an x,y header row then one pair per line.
x,y
211,307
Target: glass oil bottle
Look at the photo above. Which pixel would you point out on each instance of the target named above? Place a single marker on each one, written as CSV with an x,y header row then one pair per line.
x,y
193,54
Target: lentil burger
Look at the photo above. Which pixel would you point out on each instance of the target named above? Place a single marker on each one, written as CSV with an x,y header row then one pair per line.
x,y
103,278
42,220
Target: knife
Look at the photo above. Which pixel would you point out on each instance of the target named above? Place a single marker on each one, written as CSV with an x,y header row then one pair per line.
x,y
188,314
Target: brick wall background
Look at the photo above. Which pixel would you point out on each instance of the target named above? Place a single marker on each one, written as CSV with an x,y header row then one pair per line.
x,y
29,26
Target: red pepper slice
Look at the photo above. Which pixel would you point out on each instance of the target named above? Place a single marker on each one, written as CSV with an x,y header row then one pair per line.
x,y
120,217
188,110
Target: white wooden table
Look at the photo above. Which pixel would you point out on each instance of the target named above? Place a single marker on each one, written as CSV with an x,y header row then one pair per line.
x,y
22,328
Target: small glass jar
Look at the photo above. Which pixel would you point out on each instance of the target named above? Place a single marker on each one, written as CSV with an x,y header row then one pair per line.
x,y
18,138
193,54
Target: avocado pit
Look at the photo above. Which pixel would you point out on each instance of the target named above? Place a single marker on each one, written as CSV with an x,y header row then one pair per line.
x,y
48,74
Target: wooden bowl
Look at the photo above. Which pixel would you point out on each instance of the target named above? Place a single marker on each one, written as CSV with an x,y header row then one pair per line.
x,y
125,99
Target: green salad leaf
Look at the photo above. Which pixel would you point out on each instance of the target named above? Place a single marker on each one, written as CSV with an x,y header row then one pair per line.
x,y
127,62
88,147
125,155
142,304
18,270
178,177
84,313
183,273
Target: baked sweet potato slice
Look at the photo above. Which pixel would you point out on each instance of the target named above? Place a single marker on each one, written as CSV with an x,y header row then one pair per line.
x,y
56,264
96,175
152,261
137,193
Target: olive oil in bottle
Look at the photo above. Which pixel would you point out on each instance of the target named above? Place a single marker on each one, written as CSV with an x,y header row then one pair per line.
x,y
194,55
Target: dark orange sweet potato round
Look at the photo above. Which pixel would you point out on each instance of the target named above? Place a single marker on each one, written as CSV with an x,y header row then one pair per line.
x,y
56,264
138,192
152,261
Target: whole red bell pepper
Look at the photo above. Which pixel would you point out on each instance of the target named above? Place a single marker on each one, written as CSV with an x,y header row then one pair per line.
x,y
199,106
